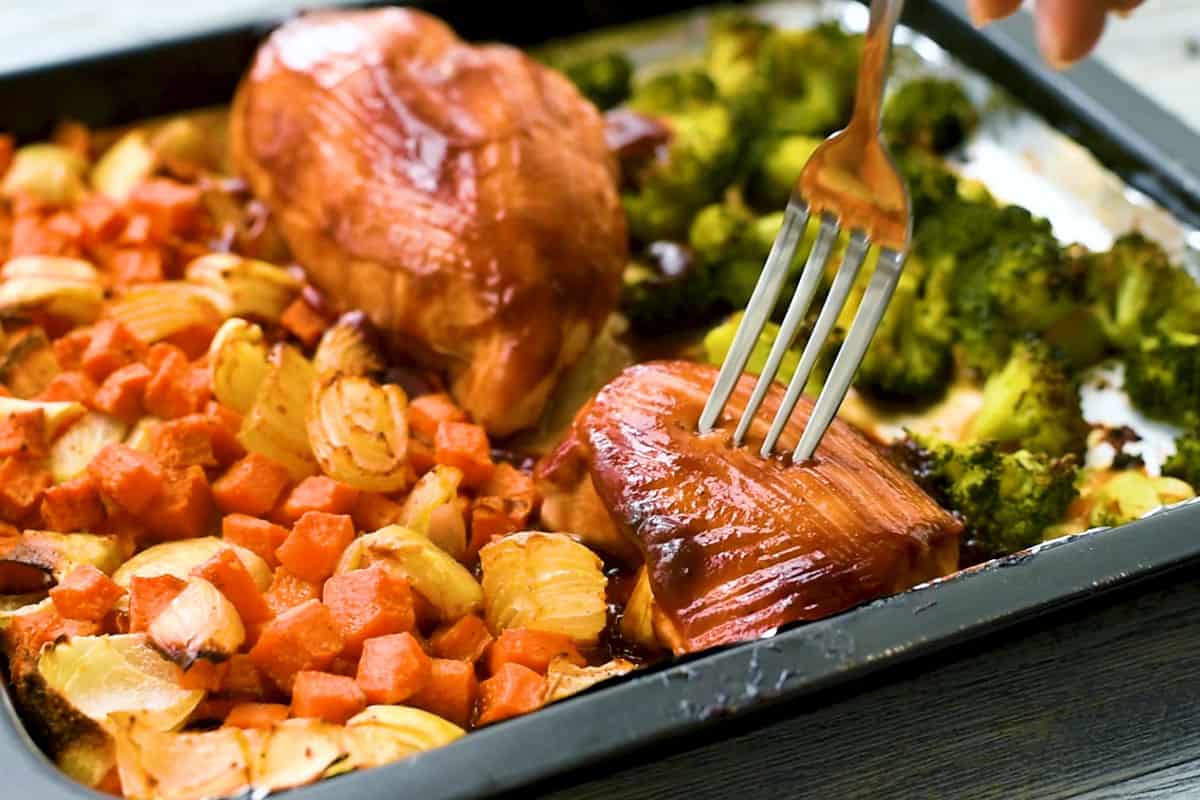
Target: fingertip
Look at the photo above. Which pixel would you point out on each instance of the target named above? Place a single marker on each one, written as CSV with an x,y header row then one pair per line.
x,y
1068,30
984,11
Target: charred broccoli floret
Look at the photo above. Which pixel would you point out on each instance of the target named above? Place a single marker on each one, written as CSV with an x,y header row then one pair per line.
x,y
666,285
1019,282
1162,376
694,168
1032,404
604,79
731,55
1130,287
1184,463
1132,495
732,244
930,113
1007,499
930,182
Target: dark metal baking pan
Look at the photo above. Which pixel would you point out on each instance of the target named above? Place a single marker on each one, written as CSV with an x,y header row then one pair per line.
x,y
1145,146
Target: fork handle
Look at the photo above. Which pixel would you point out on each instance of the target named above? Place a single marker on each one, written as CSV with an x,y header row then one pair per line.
x,y
872,72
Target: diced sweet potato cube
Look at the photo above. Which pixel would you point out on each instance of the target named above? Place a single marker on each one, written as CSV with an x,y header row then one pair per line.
x,y
86,593
393,668
288,591
25,635
256,535
184,507
70,386
226,424
531,648
177,388
73,506
204,675
23,482
253,485
148,596
110,347
243,679
427,412
512,691
450,691
465,640
323,695
101,218
303,321
367,603
172,208
184,442
317,493
373,511
131,266
227,572
263,716
23,433
305,637
130,478
121,392
464,445
311,551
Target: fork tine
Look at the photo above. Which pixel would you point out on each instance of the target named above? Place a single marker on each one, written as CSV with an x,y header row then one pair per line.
x,y
762,301
806,289
856,252
866,321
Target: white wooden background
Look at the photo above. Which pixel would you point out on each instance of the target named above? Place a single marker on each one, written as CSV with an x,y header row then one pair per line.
x,y
1157,48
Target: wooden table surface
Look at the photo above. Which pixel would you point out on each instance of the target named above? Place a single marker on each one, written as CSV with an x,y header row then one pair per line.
x,y
1101,703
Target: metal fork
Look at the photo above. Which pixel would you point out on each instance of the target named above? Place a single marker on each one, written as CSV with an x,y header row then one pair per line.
x,y
850,182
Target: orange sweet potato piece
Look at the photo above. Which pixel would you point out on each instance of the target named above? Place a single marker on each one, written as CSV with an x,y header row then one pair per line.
x,y
184,442
26,634
226,424
311,551
305,637
177,388
131,266
252,485
73,506
256,715
256,535
71,386
393,668
110,347
450,691
288,591
148,596
172,208
427,412
184,507
244,680
367,603
303,321
23,482
204,675
227,572
512,691
464,445
23,433
333,698
467,639
317,493
130,478
531,648
121,392
86,593
373,511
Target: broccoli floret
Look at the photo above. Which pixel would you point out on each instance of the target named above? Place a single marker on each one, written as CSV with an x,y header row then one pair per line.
x,y
810,76
1184,463
1020,282
1162,376
604,79
733,244
776,171
1131,495
731,56
694,168
929,113
1130,287
667,286
1006,499
930,182
1032,404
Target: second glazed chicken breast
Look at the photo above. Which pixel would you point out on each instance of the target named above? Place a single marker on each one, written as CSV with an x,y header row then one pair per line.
x,y
462,196
737,545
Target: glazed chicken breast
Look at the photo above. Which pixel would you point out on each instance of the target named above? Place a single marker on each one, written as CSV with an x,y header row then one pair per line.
x,y
462,196
737,545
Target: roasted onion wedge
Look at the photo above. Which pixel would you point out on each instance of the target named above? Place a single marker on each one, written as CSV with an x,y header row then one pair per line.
x,y
565,678
37,559
546,581
181,557
737,545
358,431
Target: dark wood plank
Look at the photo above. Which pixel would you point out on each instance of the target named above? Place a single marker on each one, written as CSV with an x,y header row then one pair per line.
x,y
1101,703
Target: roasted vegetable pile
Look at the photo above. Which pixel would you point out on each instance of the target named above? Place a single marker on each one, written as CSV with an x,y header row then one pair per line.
x,y
235,551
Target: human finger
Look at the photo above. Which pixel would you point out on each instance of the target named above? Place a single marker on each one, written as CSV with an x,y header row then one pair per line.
x,y
1067,30
984,11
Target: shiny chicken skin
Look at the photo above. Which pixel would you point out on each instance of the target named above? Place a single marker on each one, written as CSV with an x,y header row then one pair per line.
x,y
463,196
737,545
